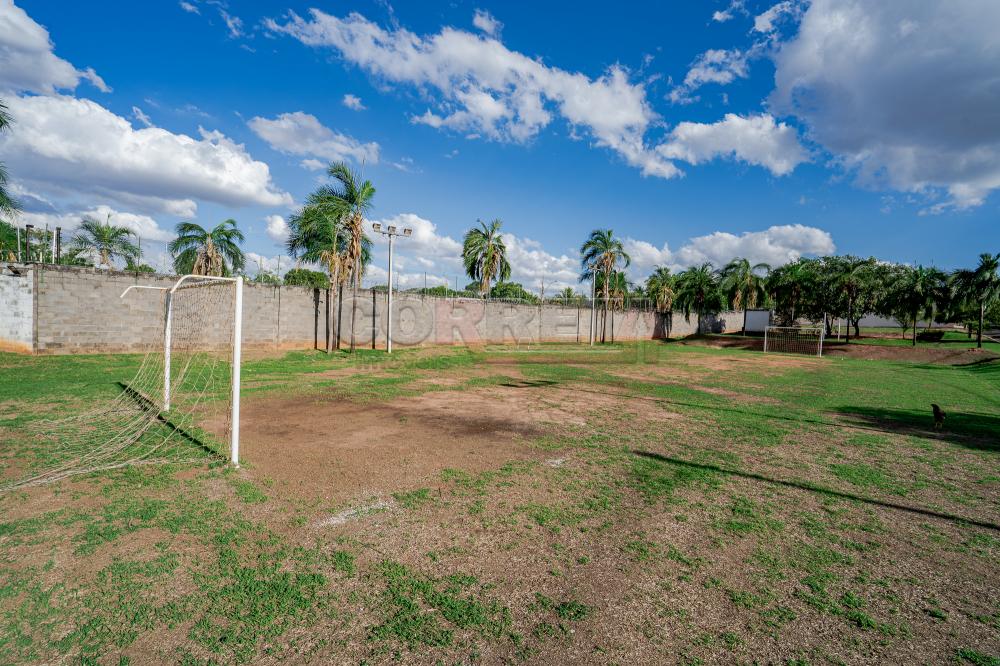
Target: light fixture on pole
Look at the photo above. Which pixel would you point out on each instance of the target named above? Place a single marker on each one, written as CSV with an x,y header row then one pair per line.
x,y
391,232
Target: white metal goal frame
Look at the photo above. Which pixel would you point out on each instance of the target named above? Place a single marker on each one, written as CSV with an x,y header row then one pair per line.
x,y
817,332
234,442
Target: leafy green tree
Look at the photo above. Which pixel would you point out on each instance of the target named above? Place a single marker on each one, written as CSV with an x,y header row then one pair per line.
x,y
9,207
104,240
789,284
917,293
132,266
484,255
698,291
980,286
514,291
8,241
303,277
744,285
661,288
601,255
567,294
198,251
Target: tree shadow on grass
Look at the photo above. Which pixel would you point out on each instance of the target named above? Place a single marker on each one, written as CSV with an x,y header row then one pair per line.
x,y
813,487
974,430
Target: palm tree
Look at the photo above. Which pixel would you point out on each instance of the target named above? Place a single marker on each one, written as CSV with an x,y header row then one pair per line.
x,y
351,199
980,286
743,283
917,293
9,207
660,288
105,240
200,252
602,254
698,290
485,255
566,294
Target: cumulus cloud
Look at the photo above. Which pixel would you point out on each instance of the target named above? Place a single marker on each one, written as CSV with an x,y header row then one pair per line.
x,y
903,94
278,265
485,89
353,102
277,228
758,140
534,267
483,20
303,134
76,145
775,246
147,228
27,60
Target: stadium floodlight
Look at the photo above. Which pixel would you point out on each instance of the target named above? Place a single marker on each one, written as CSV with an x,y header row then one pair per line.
x,y
391,232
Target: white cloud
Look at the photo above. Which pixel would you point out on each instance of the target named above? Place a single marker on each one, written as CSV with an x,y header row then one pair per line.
x,y
533,266
313,164
758,140
27,60
278,265
904,94
727,14
301,133
486,89
277,228
147,228
353,102
483,20
713,66
767,21
141,116
775,246
188,7
234,24
65,144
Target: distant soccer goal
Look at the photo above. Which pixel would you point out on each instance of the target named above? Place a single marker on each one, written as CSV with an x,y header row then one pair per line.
x,y
182,403
794,340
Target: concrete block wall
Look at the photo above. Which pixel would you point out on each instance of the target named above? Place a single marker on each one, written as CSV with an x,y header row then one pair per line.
x,y
17,309
63,309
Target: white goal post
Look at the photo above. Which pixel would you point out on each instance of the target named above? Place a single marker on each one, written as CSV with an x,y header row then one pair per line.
x,y
237,348
794,339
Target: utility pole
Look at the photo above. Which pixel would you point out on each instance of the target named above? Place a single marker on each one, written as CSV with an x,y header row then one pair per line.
x,y
391,232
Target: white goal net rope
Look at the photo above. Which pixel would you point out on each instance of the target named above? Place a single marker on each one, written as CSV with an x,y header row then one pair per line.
x,y
175,408
794,339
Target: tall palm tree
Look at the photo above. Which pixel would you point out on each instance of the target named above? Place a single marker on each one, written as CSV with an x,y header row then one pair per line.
x,y
105,240
602,254
567,294
980,286
744,285
660,288
352,197
698,290
202,252
918,291
9,207
485,255
317,235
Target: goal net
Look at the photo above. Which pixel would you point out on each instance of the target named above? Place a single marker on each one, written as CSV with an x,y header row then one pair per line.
x,y
794,340
180,405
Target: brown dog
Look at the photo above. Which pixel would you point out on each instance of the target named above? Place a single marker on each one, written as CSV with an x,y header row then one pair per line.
x,y
938,416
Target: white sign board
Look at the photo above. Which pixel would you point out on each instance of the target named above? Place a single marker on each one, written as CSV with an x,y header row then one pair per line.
x,y
757,321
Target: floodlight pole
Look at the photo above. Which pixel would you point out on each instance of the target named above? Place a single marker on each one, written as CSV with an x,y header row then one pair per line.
x,y
391,232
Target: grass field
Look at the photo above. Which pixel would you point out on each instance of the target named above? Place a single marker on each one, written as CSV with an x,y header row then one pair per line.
x,y
654,503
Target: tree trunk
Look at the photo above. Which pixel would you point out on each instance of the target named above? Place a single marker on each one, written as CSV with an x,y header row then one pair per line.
x,y
329,319
914,328
979,332
356,278
848,338
340,313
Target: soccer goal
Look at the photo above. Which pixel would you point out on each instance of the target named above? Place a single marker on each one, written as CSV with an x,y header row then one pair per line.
x,y
794,339
181,405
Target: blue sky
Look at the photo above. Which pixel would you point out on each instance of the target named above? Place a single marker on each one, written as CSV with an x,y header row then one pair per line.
x,y
698,131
